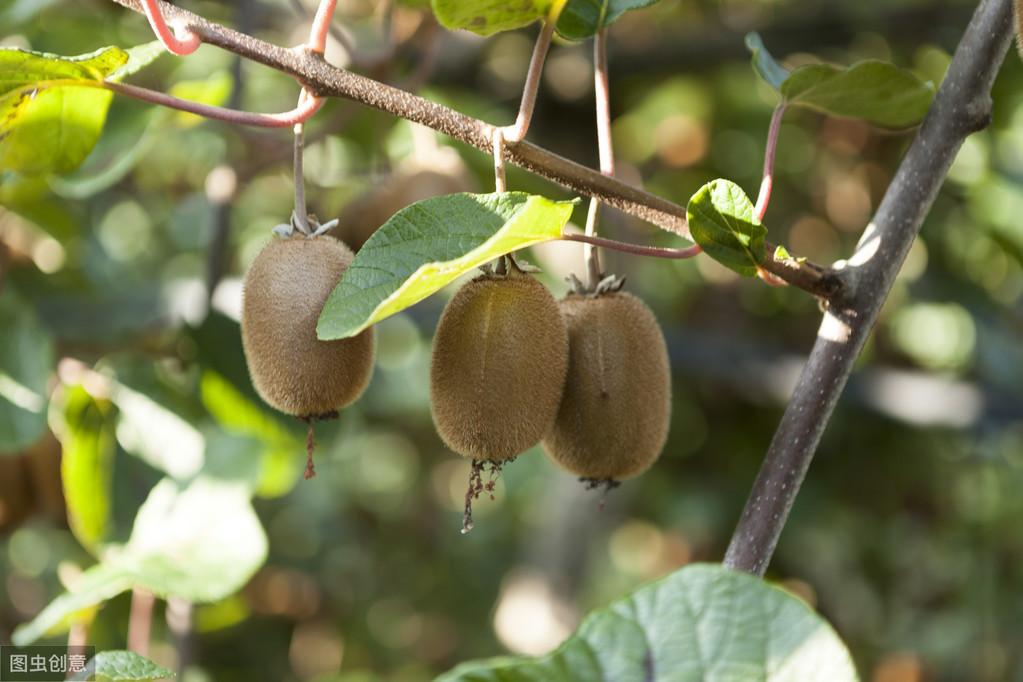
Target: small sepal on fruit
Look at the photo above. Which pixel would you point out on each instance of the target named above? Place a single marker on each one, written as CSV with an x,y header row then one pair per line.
x,y
311,227
608,284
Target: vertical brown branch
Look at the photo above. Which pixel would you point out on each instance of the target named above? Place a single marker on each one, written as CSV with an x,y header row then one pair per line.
x,y
962,106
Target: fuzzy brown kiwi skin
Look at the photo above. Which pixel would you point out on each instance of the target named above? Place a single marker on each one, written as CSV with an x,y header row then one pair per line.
x,y
500,355
616,409
284,292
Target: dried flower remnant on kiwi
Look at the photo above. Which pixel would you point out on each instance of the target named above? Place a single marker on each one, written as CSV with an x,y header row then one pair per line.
x,y
500,355
614,416
293,370
477,486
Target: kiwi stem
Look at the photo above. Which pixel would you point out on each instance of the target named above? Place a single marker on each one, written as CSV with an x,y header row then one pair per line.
x,y
301,211
605,147
634,249
767,184
500,177
517,131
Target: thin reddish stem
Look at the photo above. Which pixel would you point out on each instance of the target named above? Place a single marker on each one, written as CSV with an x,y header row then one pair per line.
x,y
767,184
188,42
321,26
307,107
140,621
517,132
634,249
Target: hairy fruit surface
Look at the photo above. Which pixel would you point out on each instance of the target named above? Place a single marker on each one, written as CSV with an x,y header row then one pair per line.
x,y
500,356
284,292
616,408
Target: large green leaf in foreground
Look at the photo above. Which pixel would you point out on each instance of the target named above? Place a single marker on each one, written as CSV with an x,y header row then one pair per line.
x,y
427,245
701,623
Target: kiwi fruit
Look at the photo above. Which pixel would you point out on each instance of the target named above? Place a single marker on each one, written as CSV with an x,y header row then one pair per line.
x,y
615,412
500,355
283,294
292,370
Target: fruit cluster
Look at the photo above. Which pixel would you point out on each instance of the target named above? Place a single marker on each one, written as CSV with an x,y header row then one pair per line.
x,y
588,377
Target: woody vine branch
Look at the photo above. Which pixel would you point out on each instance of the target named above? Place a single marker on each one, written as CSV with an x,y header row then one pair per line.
x,y
325,80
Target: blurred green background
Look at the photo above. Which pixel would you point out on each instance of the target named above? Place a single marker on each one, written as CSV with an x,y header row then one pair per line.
x,y
906,535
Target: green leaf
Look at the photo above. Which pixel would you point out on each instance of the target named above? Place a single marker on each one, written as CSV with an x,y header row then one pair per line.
x,y
86,429
427,245
21,68
26,360
125,666
201,543
721,221
875,91
764,64
50,114
486,17
95,586
582,18
703,622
